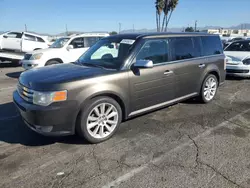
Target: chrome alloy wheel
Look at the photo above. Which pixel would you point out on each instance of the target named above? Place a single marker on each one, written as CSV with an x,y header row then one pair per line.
x,y
102,120
210,89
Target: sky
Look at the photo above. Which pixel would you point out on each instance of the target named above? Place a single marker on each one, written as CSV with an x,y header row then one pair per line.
x,y
51,16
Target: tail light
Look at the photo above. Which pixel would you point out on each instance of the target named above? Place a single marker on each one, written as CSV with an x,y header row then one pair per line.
x,y
246,61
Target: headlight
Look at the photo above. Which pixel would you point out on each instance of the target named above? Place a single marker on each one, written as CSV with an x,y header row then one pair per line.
x,y
46,98
36,56
246,61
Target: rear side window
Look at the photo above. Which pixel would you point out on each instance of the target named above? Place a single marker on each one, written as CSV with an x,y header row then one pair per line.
x,y
90,41
29,37
211,45
239,46
39,39
154,50
185,48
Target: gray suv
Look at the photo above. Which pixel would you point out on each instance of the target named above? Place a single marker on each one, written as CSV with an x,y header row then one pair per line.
x,y
120,77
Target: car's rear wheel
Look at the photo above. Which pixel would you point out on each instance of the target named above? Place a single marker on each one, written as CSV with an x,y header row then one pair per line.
x,y
52,62
99,119
209,88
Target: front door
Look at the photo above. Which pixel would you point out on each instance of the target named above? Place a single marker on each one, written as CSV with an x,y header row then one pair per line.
x,y
72,55
151,87
12,41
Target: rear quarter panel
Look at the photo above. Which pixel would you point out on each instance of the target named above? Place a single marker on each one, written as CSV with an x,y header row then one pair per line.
x,y
215,64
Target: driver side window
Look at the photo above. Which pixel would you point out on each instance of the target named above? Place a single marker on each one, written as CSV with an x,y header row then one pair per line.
x,y
154,50
77,43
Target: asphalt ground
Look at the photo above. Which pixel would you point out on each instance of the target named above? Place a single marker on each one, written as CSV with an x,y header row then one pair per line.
x,y
186,145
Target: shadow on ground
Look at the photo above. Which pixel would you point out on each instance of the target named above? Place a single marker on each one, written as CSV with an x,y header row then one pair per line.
x,y
14,131
14,74
235,78
9,64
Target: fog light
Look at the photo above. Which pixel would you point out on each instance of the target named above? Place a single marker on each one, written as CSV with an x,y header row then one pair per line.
x,y
45,129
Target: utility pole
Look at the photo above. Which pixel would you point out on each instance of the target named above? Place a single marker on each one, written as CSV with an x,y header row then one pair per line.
x,y
195,26
25,26
133,27
120,26
67,30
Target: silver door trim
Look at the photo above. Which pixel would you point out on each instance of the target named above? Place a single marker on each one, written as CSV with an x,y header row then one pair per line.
x,y
162,104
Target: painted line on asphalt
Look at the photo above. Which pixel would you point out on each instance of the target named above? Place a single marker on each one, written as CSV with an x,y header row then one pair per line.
x,y
8,118
135,171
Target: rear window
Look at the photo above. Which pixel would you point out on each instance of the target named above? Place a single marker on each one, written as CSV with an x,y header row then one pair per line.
x,y
212,45
29,37
185,48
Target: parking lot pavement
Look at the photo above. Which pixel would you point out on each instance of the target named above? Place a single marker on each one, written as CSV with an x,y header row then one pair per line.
x,y
186,145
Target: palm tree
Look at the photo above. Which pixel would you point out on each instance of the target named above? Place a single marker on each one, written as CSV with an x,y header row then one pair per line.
x,y
170,7
159,5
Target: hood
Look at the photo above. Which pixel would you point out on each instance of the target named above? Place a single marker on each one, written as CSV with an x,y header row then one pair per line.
x,y
46,50
44,78
237,56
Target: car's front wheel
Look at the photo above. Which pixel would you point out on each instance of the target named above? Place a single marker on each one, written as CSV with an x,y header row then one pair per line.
x,y
99,119
209,88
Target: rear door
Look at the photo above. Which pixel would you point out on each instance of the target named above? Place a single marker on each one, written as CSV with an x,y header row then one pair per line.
x,y
12,41
29,43
152,86
77,51
186,55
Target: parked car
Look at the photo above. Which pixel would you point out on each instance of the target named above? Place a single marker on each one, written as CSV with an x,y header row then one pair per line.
x,y
63,50
22,41
233,39
95,94
238,58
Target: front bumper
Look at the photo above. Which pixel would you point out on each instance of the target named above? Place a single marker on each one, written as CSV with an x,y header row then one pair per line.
x,y
238,70
29,64
57,119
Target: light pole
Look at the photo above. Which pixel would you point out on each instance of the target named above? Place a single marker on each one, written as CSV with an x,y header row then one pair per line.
x,y
120,26
195,26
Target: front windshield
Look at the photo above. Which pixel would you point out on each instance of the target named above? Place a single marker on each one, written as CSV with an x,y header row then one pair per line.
x,y
59,43
239,46
107,53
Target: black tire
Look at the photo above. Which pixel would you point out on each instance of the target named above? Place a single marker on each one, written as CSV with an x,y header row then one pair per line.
x,y
52,62
81,127
203,98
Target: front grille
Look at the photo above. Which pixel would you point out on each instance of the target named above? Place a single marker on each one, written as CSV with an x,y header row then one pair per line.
x,y
25,93
237,71
27,56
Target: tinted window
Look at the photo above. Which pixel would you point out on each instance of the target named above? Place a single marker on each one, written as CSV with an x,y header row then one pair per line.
x,y
239,46
155,50
14,35
185,48
90,41
29,37
39,39
211,45
77,43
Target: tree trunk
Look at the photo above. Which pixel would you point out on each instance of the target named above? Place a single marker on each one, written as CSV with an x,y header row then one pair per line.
x,y
157,23
168,19
163,23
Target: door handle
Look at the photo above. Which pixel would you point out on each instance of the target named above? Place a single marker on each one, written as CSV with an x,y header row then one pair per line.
x,y
202,65
168,72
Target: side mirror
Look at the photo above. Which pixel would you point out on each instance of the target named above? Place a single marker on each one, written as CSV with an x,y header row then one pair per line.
x,y
5,36
70,47
144,64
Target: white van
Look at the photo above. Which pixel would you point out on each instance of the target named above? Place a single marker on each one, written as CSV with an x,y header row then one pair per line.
x,y
63,50
22,41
